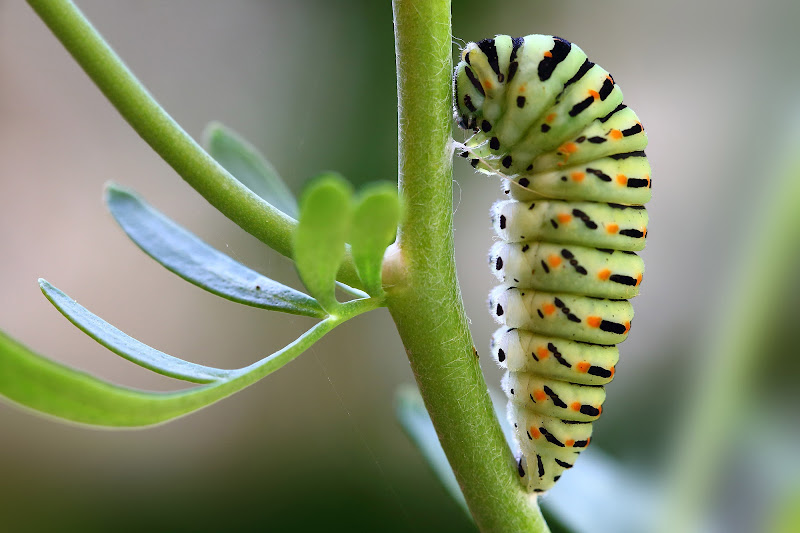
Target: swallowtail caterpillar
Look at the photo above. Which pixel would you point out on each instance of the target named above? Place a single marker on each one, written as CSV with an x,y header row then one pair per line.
x,y
552,125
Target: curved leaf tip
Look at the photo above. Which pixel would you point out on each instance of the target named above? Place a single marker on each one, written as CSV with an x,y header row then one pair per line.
x,y
127,347
248,166
186,255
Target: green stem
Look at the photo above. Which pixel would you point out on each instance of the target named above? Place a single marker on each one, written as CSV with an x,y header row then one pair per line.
x,y
57,390
165,136
346,311
422,290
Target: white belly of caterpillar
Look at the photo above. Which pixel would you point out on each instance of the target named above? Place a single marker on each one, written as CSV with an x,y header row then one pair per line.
x,y
551,123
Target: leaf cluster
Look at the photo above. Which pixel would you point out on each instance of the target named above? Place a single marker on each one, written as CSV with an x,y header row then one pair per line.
x,y
329,216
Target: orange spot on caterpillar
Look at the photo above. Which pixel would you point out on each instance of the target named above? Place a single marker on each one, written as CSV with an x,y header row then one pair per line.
x,y
582,367
539,395
543,353
578,176
638,280
568,148
612,228
627,326
549,309
554,260
644,232
613,370
594,94
599,412
535,433
609,78
488,85
615,134
550,118
569,443
622,179
548,53
604,274
575,406
523,88
564,217
593,321
588,440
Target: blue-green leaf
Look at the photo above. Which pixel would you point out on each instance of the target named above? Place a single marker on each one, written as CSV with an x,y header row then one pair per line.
x,y
319,243
375,220
612,498
128,347
249,166
36,382
196,262
415,420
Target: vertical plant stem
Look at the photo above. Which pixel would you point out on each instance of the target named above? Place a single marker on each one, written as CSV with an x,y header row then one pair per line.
x,y
138,107
423,293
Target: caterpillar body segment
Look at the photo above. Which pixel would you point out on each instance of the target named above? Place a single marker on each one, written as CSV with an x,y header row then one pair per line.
x,y
624,181
519,350
569,316
600,225
551,124
574,269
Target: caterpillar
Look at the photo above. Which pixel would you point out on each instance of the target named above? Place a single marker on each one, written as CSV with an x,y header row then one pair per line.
x,y
551,124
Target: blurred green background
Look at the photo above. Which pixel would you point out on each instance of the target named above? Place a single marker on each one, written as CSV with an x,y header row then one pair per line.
x,y
312,84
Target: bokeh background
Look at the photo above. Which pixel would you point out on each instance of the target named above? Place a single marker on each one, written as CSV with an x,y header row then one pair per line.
x,y
312,84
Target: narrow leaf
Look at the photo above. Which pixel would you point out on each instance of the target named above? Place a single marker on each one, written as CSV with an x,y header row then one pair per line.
x,y
319,245
198,263
249,166
46,386
375,220
358,293
126,346
36,382
605,488
614,499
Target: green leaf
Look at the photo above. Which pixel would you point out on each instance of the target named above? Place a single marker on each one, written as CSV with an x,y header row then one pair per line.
x,y
128,347
54,389
198,263
249,166
413,417
375,220
319,244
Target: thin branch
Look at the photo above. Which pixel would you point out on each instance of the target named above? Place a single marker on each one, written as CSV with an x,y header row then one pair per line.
x,y
138,107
